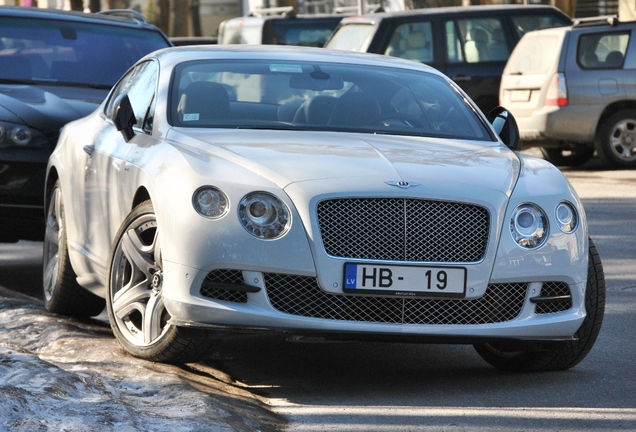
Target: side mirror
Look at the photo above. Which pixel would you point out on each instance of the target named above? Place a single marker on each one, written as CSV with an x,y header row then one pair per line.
x,y
124,117
505,125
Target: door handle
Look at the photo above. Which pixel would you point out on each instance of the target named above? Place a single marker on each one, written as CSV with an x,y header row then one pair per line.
x,y
89,149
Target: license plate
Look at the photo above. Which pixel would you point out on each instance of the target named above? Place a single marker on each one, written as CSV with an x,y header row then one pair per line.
x,y
519,95
405,280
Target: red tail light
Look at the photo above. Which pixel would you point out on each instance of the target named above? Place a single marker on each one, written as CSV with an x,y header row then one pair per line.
x,y
557,94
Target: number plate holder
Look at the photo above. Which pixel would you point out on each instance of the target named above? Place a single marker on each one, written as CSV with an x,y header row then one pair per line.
x,y
519,95
405,281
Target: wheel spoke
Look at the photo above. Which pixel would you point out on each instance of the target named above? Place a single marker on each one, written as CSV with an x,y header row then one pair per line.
x,y
141,256
50,274
152,318
131,298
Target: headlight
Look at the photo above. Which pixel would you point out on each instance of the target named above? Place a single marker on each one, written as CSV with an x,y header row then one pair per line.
x,y
529,226
263,215
210,202
566,217
12,135
20,135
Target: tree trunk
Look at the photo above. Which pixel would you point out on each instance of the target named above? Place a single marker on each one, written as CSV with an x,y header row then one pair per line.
x,y
196,17
180,18
164,16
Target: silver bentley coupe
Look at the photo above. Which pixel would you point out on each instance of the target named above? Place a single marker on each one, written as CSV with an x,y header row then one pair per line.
x,y
314,192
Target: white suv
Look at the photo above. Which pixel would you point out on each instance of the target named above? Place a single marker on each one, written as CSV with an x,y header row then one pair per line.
x,y
572,91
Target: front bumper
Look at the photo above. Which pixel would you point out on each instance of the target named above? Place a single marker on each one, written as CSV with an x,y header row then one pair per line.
x,y
296,304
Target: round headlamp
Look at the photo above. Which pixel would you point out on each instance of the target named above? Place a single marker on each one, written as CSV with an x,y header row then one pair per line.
x,y
529,226
20,135
566,217
210,202
264,216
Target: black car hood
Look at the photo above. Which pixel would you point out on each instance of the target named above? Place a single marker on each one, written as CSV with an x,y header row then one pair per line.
x,y
47,108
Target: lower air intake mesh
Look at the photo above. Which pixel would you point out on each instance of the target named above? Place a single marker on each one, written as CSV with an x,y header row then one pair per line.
x,y
300,295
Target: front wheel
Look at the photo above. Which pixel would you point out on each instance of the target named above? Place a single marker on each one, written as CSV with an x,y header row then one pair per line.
x,y
135,306
616,143
527,357
62,294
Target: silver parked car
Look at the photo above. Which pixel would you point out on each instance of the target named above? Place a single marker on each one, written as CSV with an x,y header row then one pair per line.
x,y
315,192
572,92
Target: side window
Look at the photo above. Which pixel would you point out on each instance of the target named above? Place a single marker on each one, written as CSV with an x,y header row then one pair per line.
x,y
483,39
141,85
525,23
454,53
602,50
413,41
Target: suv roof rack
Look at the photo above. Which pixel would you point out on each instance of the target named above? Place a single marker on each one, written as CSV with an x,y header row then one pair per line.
x,y
128,13
286,11
598,20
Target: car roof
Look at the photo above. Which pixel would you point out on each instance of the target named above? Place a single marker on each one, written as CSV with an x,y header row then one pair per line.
x,y
73,16
274,53
315,17
587,25
450,10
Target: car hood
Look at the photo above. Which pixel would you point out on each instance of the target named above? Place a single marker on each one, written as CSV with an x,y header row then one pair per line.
x,y
47,108
347,161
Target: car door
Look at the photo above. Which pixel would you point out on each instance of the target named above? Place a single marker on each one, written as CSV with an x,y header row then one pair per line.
x,y
477,49
108,156
597,76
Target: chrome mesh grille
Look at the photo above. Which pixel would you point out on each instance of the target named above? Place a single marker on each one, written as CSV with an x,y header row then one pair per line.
x,y
210,289
300,295
396,229
553,289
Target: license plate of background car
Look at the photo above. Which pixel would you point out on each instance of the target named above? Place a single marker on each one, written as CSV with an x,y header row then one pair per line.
x,y
519,95
409,281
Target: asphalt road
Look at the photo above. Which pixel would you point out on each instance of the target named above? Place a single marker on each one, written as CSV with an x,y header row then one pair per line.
x,y
406,387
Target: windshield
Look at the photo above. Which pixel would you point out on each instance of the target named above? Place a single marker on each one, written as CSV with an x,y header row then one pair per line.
x,y
49,51
320,96
351,37
535,54
304,32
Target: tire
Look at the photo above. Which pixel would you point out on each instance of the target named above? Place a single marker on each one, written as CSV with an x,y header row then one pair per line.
x,y
568,157
135,303
527,357
616,143
62,294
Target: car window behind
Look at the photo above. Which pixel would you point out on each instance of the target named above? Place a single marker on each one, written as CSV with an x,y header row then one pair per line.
x,y
320,96
50,51
304,32
240,31
482,40
413,41
524,23
351,37
602,50
534,55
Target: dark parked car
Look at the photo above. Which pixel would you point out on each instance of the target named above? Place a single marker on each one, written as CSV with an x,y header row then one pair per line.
x,y
55,67
469,44
285,28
